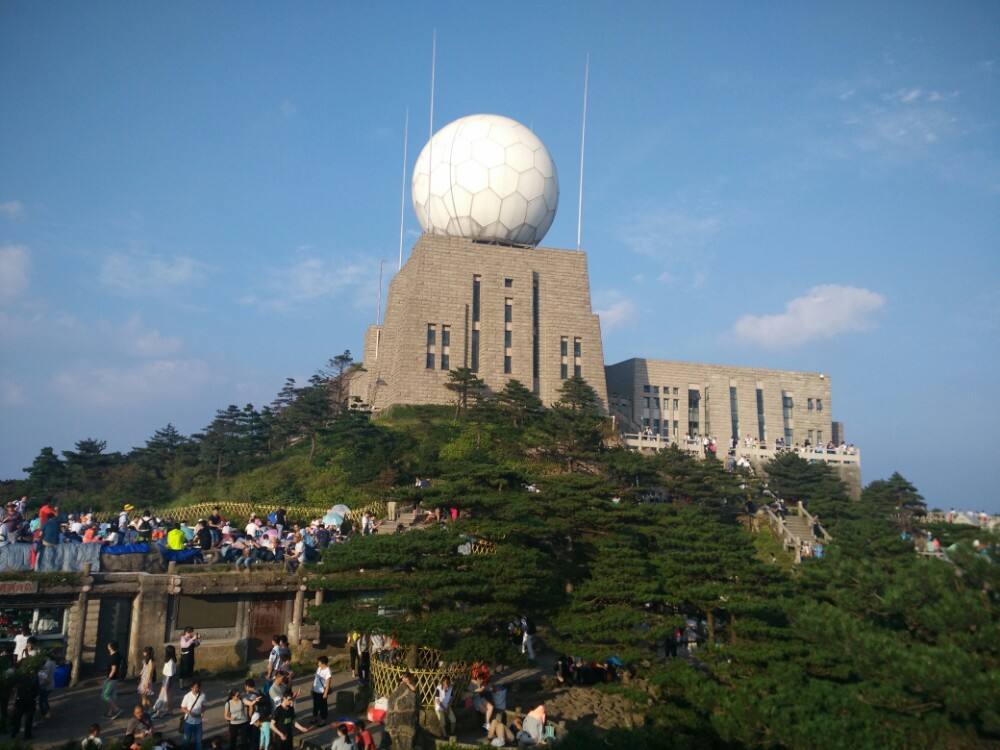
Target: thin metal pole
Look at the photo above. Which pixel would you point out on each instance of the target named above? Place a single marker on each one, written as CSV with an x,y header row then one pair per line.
x,y
583,145
430,143
402,190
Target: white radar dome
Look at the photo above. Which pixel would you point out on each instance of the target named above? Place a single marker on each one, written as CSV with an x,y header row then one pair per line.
x,y
487,178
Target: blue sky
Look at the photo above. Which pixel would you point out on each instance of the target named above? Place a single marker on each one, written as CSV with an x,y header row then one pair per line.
x,y
194,198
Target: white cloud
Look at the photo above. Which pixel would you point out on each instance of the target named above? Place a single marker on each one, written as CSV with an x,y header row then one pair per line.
x,y
308,280
11,394
142,273
288,108
823,312
615,310
134,338
11,209
110,387
904,121
660,233
14,265
68,335
665,278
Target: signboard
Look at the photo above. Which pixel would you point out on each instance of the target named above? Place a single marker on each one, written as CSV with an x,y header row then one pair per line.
x,y
18,587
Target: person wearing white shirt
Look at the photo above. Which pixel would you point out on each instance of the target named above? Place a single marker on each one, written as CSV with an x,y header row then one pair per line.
x,y
192,707
320,690
21,643
442,706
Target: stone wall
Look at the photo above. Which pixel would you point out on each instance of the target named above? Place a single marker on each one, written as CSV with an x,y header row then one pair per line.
x,y
435,287
627,381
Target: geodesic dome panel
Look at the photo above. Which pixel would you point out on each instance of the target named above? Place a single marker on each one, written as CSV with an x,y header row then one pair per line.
x,y
486,178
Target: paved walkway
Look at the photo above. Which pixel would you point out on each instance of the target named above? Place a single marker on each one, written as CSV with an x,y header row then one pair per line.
x,y
75,709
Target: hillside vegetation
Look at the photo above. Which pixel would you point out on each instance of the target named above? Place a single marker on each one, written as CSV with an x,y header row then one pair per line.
x,y
609,551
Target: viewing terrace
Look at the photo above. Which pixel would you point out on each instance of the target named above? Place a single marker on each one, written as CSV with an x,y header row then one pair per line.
x,y
844,456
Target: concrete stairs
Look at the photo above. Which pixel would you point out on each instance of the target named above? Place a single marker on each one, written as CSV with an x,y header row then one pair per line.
x,y
404,521
800,527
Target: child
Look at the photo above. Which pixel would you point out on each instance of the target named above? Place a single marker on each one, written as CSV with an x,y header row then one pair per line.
x,y
93,739
263,730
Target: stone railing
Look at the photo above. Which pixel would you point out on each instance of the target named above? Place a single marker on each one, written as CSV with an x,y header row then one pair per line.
x,y
844,456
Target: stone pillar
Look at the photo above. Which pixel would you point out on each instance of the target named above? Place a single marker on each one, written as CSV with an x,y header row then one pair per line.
x,y
134,653
318,600
76,636
295,629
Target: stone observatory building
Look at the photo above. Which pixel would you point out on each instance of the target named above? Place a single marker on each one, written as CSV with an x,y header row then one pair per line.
x,y
477,290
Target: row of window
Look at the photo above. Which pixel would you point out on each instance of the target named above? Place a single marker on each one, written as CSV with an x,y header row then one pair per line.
x,y
652,406
432,349
564,357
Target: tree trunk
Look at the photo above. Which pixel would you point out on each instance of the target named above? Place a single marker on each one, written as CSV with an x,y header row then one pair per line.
x,y
312,446
710,621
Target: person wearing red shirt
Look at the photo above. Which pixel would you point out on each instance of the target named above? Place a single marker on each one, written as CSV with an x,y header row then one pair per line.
x,y
49,510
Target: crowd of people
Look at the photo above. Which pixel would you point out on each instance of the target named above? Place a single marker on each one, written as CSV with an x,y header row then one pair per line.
x,y
260,539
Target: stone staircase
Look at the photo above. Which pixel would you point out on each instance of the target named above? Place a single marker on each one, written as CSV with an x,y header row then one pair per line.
x,y
404,521
799,526
797,531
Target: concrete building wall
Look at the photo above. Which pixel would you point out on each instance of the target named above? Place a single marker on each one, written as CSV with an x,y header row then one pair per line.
x,y
637,386
435,288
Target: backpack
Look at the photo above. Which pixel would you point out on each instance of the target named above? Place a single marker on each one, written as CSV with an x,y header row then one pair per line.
x,y
272,517
529,626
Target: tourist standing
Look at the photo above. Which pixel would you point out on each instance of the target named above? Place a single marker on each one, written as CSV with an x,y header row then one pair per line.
x,y
442,706
283,724
46,681
235,713
25,698
321,690
189,642
109,691
273,661
192,707
162,706
528,637
147,676
21,642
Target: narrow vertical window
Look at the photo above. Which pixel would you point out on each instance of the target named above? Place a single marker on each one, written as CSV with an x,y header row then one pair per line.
x,y
431,341
734,413
787,406
476,285
445,347
535,343
476,305
507,364
577,363
760,416
694,421
508,310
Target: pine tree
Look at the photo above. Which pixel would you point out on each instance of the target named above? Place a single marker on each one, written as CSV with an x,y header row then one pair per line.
x,y
47,473
467,387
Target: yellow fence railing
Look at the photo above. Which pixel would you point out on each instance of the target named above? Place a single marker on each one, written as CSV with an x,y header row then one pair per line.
x,y
429,669
243,511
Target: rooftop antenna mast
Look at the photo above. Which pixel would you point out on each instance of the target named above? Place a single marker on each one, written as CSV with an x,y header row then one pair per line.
x,y
583,145
430,142
402,190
